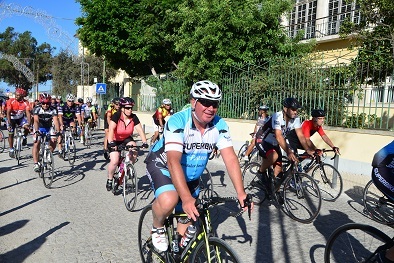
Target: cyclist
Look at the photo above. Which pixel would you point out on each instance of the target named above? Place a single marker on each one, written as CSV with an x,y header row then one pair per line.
x,y
112,109
383,178
159,118
310,127
120,132
45,121
18,113
68,112
178,159
80,124
89,112
53,102
59,101
271,137
261,120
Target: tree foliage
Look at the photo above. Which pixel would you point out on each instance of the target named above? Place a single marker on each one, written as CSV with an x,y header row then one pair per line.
x,y
375,37
200,39
25,47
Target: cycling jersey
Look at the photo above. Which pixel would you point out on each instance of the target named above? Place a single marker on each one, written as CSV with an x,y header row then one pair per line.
x,y
87,111
18,108
308,130
383,170
45,116
276,122
161,111
261,121
123,131
69,113
180,134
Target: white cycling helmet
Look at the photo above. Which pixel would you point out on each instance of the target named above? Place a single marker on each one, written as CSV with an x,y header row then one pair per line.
x,y
167,102
89,99
70,97
205,89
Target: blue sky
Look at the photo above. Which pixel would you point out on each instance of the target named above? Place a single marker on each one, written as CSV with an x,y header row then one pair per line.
x,y
62,14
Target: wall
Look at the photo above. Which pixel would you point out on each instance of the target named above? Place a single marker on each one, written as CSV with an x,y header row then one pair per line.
x,y
357,146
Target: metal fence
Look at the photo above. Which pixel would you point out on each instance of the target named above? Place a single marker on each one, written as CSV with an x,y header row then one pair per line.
x,y
352,95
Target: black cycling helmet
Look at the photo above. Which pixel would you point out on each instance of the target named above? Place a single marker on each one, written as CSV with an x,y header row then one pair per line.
x,y
80,100
291,103
126,101
318,113
115,100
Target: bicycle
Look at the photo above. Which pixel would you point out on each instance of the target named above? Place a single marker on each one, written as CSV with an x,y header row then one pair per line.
x,y
295,193
126,176
46,160
2,141
196,250
331,183
88,134
356,243
253,156
379,207
18,143
68,146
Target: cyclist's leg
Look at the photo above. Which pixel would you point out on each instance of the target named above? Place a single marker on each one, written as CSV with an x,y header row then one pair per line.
x,y
52,142
250,148
114,160
11,124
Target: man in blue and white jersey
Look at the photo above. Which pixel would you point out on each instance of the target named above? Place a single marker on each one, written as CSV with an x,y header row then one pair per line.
x,y
271,138
179,158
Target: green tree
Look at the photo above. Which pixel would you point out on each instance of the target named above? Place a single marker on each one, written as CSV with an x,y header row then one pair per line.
x,y
374,36
25,47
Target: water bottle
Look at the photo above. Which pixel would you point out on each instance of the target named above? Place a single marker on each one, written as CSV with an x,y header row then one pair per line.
x,y
189,234
299,167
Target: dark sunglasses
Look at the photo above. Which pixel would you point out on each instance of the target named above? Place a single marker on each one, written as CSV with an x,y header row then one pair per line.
x,y
45,103
128,108
209,103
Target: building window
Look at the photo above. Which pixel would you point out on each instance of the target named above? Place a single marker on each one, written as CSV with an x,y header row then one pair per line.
x,y
338,11
303,17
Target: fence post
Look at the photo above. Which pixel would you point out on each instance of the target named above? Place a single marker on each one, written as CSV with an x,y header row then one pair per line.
x,y
334,176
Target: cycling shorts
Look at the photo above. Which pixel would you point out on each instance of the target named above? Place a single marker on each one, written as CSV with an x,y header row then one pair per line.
x,y
124,143
11,124
161,182
266,149
45,130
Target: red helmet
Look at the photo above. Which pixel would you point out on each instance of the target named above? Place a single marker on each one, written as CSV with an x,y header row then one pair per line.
x,y
45,98
21,92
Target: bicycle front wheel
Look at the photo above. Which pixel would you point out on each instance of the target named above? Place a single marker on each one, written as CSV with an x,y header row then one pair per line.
x,y
301,197
130,187
17,149
329,181
88,136
252,183
48,168
72,151
355,243
241,154
218,251
2,141
147,251
377,205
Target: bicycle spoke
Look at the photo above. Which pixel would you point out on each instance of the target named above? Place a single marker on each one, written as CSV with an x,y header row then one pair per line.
x,y
377,205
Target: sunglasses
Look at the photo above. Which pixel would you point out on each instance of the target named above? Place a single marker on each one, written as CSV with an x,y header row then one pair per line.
x,y
45,103
208,103
128,108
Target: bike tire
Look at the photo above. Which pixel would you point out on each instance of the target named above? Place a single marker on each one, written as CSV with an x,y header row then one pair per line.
x,y
130,187
329,181
253,184
41,161
219,251
72,150
255,156
377,205
206,184
148,253
17,149
241,154
88,136
48,169
2,141
301,197
355,243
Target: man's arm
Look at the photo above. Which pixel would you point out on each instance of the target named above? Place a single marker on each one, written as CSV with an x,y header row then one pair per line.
x,y
36,122
304,142
179,181
282,143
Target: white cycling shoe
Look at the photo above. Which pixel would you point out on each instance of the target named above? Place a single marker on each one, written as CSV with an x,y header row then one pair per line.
x,y
159,238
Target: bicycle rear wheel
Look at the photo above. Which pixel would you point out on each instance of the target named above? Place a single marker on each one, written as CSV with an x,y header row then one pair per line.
x,y
17,149
48,168
252,183
301,197
377,205
130,188
355,243
72,151
329,181
218,251
206,184
2,141
147,251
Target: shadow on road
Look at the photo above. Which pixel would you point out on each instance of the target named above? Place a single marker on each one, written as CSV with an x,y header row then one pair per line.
x,y
21,206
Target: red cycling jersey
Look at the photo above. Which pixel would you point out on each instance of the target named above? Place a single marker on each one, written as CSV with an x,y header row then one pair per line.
x,y
308,129
18,108
123,131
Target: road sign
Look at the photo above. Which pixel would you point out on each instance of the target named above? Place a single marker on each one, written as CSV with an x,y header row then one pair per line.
x,y
101,88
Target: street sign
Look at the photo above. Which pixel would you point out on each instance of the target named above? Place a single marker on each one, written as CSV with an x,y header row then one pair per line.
x,y
101,88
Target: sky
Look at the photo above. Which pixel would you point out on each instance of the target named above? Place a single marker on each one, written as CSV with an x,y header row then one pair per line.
x,y
60,15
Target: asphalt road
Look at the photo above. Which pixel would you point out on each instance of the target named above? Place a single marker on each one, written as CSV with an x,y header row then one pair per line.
x,y
77,220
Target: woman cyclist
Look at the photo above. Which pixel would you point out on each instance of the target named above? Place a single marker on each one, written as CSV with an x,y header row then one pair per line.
x,y
120,132
158,118
112,108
